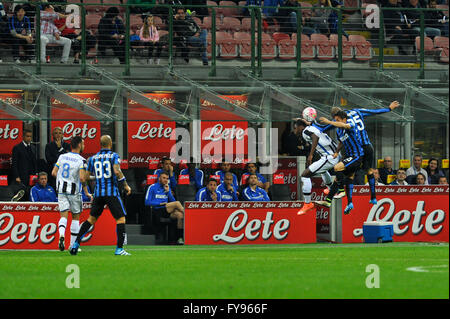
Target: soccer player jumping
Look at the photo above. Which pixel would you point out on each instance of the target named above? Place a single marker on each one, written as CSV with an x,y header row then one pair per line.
x,y
105,167
345,170
356,116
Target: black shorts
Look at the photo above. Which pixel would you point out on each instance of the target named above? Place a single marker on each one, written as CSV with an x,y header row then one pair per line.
x,y
352,164
114,204
367,160
160,211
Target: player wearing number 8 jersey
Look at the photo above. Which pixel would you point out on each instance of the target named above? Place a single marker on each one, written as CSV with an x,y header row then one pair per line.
x,y
105,168
70,173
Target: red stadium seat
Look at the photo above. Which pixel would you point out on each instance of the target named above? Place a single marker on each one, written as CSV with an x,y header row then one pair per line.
x,y
428,45
207,23
269,47
210,3
92,21
232,9
246,24
441,43
95,7
286,47
231,24
308,11
243,40
136,21
308,50
228,46
347,47
323,46
362,47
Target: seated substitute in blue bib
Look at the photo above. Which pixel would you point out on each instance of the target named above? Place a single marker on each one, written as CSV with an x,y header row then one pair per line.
x,y
209,193
253,192
227,190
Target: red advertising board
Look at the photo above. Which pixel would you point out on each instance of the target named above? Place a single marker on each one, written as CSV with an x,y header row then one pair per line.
x,y
149,132
11,130
288,168
323,213
35,226
228,138
418,213
81,125
211,112
225,223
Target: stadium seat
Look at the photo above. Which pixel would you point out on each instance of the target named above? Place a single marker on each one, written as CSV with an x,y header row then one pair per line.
x,y
324,48
308,11
95,7
185,193
210,3
280,192
92,21
308,50
228,46
347,47
207,23
441,43
362,47
268,48
136,21
286,48
231,24
243,40
246,24
231,11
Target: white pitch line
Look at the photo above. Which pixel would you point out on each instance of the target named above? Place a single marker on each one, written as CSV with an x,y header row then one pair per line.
x,y
425,268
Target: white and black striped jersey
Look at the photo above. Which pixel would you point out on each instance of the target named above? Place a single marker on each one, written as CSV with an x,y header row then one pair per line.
x,y
326,145
68,177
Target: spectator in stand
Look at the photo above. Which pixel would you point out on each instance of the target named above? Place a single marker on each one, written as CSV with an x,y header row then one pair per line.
x,y
252,168
200,12
188,33
396,28
245,11
75,36
443,180
401,178
412,18
167,168
149,37
227,190
30,10
333,18
433,171
50,33
111,34
24,159
376,175
421,179
387,169
3,25
196,175
54,149
224,168
20,34
42,192
436,19
209,193
287,17
253,192
270,10
159,197
294,144
319,17
415,169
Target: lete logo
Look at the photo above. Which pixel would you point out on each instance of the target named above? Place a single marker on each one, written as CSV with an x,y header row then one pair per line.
x,y
252,228
404,217
70,131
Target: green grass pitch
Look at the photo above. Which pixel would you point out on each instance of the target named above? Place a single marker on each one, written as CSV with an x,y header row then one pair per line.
x,y
313,271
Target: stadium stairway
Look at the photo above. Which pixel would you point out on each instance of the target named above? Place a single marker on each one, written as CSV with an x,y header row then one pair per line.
x,y
136,235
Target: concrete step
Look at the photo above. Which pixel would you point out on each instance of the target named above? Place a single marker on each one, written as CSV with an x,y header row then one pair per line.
x,y
134,229
141,239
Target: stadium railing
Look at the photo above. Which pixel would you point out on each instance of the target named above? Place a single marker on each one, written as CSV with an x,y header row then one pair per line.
x,y
357,34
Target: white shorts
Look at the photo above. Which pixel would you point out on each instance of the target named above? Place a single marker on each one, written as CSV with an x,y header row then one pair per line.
x,y
74,203
323,165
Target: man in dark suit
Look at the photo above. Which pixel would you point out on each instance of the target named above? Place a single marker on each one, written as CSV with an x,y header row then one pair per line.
x,y
24,159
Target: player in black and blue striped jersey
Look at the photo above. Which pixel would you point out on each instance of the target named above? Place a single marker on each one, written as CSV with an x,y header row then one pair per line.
x,y
345,170
105,168
357,116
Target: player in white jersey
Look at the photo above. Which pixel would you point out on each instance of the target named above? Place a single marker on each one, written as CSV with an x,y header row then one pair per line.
x,y
70,173
324,146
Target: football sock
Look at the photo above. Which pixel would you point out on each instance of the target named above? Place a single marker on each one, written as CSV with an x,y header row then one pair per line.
x,y
74,229
371,180
62,226
349,189
306,188
333,190
120,235
326,177
83,230
180,233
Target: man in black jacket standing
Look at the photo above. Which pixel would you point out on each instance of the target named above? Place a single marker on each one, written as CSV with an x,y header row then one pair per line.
x,y
24,159
53,150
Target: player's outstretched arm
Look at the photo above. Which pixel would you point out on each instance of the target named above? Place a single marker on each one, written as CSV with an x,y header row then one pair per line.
x,y
324,120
